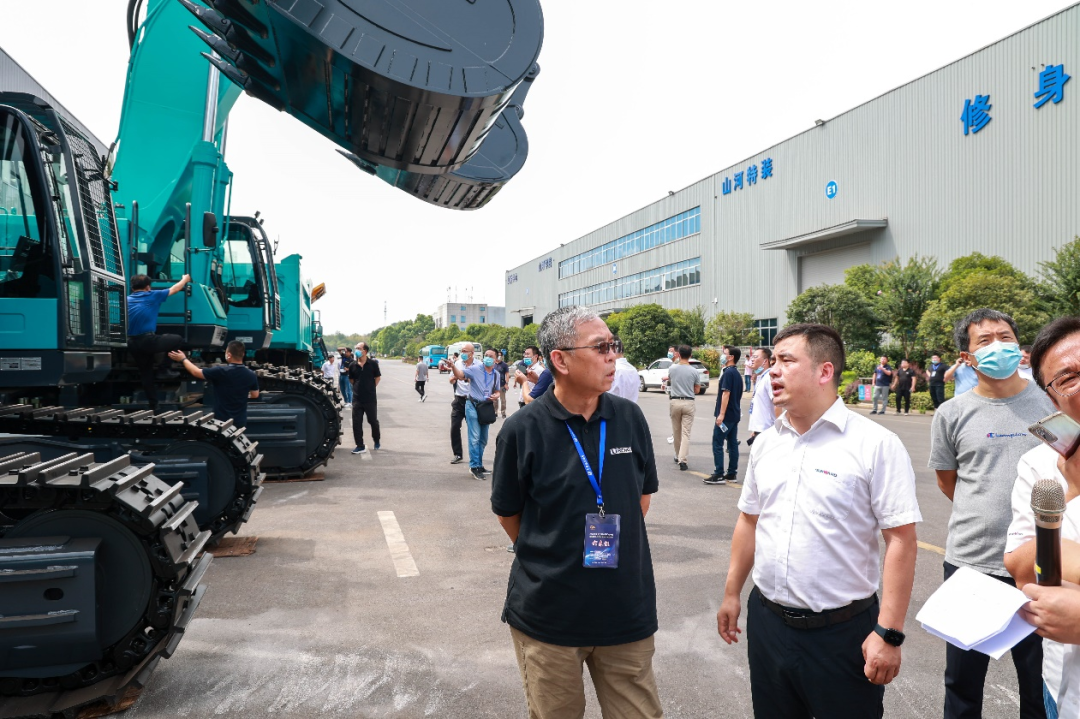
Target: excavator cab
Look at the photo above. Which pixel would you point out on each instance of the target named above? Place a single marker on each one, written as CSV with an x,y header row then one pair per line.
x,y
61,274
250,284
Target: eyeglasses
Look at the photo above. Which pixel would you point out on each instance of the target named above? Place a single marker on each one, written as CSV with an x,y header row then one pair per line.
x,y
601,347
1065,385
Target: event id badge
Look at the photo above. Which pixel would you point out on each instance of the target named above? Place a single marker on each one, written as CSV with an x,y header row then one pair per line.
x,y
601,541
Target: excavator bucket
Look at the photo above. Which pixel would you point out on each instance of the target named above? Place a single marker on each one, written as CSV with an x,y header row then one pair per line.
x,y
418,93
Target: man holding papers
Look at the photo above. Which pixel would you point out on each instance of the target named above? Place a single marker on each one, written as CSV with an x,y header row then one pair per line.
x,y
976,441
823,481
1055,362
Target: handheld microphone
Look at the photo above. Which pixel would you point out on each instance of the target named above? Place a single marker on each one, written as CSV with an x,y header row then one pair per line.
x,y
1048,504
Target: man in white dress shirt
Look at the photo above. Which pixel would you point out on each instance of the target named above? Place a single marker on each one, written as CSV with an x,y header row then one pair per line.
x,y
627,381
763,412
822,482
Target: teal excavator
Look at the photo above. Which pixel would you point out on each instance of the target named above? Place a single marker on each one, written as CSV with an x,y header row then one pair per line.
x,y
105,505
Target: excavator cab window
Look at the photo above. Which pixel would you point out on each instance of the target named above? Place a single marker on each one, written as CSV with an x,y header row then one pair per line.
x,y
26,267
241,286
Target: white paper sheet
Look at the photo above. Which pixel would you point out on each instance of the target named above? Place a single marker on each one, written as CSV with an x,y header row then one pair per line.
x,y
974,611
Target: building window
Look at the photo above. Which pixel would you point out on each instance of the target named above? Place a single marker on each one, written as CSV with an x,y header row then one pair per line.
x,y
669,277
453,318
673,228
767,329
483,309
463,308
481,319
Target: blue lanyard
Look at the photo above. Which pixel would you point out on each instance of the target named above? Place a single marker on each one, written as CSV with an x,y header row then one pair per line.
x,y
593,479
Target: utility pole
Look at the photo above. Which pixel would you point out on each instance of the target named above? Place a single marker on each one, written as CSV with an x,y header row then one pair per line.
x,y
384,313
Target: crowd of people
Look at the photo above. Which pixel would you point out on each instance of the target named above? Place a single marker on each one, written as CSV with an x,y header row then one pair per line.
x,y
573,479
823,482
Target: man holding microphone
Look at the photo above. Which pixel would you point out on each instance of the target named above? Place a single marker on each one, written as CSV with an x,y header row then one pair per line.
x,y
1055,610
823,481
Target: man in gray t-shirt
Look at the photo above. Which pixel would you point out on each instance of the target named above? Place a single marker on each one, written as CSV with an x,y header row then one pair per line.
x,y
975,443
683,381
421,378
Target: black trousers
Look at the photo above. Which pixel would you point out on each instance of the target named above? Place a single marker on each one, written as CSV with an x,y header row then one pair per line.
x,y
965,675
457,416
420,387
143,348
937,394
359,410
804,673
903,394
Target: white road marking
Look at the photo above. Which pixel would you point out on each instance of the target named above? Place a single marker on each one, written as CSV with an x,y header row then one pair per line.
x,y
399,550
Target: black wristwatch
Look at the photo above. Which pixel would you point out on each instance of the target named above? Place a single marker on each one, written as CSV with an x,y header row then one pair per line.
x,y
891,636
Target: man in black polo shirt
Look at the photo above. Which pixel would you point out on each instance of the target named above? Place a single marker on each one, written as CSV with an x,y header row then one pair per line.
x,y
364,374
233,383
574,473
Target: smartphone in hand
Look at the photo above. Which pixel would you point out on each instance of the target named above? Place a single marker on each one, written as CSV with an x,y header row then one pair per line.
x,y
1060,431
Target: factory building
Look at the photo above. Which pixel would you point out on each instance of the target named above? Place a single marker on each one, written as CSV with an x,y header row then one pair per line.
x,y
980,155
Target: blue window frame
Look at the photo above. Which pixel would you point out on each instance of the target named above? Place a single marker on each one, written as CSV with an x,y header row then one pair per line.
x,y
669,277
673,228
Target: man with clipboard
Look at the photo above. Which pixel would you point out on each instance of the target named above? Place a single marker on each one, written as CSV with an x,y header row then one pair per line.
x,y
574,473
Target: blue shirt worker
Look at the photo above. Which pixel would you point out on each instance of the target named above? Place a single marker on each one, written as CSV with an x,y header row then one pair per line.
x,y
233,383
143,305
484,386
728,412
574,476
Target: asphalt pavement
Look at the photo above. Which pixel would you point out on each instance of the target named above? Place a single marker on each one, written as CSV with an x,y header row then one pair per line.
x,y
377,592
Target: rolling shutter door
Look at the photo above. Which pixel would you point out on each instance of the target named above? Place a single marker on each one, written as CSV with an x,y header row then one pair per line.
x,y
827,268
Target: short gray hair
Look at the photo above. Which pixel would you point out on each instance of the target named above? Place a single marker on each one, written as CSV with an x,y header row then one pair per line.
x,y
559,329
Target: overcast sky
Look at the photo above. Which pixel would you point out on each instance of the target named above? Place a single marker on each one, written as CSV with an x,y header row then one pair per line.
x,y
634,99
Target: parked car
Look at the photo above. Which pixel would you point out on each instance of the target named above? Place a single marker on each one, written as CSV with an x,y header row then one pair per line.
x,y
652,376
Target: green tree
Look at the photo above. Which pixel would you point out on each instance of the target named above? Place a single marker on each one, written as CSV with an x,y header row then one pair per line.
x,y
906,291
862,362
982,288
646,332
962,267
1060,287
732,328
614,322
842,308
864,279
690,326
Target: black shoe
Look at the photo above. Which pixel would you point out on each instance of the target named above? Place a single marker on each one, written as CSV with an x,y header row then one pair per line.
x,y
731,479
478,473
456,460
676,459
359,450
713,479
485,470
682,466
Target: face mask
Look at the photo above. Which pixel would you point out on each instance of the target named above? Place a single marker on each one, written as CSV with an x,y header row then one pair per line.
x,y
464,356
998,360
489,362
671,355
759,370
527,361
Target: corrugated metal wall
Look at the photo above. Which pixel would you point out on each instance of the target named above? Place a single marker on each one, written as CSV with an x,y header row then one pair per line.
x,y
1011,189
13,78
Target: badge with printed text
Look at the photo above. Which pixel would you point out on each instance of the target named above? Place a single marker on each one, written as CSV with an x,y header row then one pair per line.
x,y
601,541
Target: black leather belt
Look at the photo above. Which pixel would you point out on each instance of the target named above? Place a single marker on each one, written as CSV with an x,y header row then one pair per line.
x,y
689,398
806,619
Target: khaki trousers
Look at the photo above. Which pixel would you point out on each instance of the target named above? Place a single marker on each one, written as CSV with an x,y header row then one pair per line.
x,y
555,688
682,419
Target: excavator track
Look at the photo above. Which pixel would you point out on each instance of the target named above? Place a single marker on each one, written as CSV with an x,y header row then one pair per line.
x,y
318,394
145,529
144,432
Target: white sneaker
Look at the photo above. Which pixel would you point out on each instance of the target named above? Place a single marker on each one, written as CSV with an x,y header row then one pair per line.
x,y
671,439
420,400
348,405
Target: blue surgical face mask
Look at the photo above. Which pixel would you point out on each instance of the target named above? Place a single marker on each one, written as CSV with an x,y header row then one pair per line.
x,y
998,360
465,356
527,361
671,355
759,370
489,362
